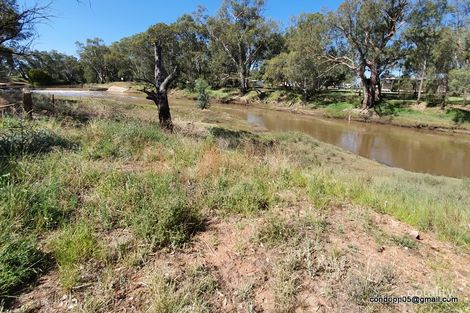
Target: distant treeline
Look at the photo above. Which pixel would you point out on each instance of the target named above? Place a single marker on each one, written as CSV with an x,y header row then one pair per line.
x,y
425,43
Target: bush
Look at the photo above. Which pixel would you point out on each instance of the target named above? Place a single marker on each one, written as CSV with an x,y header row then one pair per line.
x,y
18,138
39,77
434,100
202,88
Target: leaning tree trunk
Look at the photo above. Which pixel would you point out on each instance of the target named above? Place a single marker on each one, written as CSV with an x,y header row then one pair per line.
x,y
161,85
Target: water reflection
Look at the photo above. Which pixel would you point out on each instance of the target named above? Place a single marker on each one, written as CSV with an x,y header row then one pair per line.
x,y
410,149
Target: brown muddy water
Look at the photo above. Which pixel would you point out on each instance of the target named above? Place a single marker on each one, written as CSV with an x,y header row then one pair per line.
x,y
410,149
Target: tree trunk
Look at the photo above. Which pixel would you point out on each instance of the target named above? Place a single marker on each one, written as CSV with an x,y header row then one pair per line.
x,y
421,83
243,81
368,100
446,88
465,96
164,115
162,84
370,90
28,104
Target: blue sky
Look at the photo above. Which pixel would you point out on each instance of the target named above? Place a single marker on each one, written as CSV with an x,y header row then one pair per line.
x,y
112,20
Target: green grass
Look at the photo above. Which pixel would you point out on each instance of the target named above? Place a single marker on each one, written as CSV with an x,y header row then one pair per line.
x,y
190,293
72,185
279,230
20,260
71,247
404,241
339,110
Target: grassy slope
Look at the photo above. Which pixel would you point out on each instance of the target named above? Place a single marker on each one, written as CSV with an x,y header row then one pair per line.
x,y
90,173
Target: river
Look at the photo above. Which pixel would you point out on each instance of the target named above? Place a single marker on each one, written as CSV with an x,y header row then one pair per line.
x,y
410,149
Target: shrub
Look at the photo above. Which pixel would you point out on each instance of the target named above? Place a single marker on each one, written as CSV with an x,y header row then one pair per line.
x,y
18,138
202,88
39,77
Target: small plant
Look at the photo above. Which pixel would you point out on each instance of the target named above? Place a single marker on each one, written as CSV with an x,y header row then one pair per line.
x,y
202,88
404,241
362,286
275,230
161,214
191,292
18,138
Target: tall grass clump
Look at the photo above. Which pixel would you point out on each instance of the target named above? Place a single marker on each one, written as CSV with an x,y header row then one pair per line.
x,y
161,212
71,247
231,193
20,260
106,139
19,138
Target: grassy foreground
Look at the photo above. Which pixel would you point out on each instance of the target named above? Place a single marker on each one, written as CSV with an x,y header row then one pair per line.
x,y
91,188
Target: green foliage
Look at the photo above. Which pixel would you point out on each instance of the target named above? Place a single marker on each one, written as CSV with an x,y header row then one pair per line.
x,y
459,81
234,194
93,58
241,37
341,109
202,88
39,77
58,67
302,68
107,139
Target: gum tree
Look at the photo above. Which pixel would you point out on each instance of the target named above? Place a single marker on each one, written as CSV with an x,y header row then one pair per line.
x,y
366,34
242,34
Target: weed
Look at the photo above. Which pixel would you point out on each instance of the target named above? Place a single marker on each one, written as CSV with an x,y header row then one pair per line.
x,y
363,285
190,293
404,241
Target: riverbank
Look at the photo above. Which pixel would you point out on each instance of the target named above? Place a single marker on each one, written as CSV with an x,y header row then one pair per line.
x,y
340,105
102,211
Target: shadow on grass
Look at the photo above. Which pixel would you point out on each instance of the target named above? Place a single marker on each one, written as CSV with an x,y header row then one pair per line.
x,y
61,108
21,263
18,139
233,138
